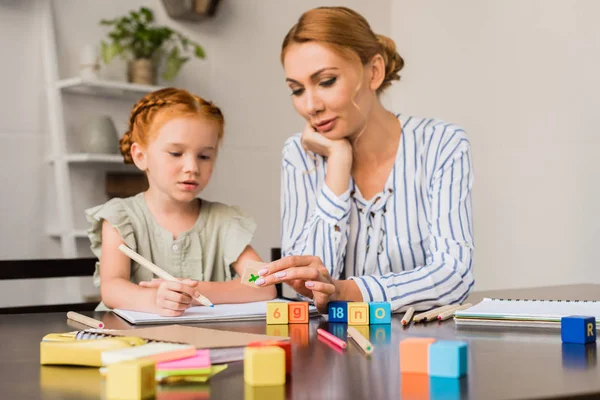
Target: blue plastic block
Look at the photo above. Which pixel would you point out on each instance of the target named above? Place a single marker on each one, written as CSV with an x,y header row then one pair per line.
x,y
448,358
380,313
578,329
338,311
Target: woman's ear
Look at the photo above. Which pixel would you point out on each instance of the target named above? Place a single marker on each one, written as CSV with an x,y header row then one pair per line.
x,y
139,156
377,69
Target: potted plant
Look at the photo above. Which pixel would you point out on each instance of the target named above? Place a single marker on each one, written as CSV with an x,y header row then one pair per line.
x,y
136,37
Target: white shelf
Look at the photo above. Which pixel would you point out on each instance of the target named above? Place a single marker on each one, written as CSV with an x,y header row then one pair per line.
x,y
77,234
96,158
104,88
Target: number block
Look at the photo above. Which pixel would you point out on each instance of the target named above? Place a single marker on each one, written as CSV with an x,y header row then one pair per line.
x,y
298,312
278,330
284,344
414,355
380,313
131,380
338,311
448,358
277,312
264,366
578,329
358,313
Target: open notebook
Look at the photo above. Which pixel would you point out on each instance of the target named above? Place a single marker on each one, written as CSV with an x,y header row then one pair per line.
x,y
218,313
525,313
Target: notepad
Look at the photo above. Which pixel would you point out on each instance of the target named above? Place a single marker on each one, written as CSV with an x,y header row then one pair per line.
x,y
525,313
220,312
157,351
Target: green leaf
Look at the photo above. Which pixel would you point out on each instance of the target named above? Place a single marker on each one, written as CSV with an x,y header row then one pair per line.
x,y
109,51
173,64
147,13
199,51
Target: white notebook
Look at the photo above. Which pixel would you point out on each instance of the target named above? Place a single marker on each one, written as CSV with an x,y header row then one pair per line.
x,y
526,313
220,312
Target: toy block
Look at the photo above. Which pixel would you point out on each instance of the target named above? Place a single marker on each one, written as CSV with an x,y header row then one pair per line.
x,y
276,392
578,329
338,311
380,313
278,330
250,274
358,313
577,356
298,312
444,388
414,355
277,312
131,380
264,366
448,359
299,334
284,344
339,330
381,334
414,386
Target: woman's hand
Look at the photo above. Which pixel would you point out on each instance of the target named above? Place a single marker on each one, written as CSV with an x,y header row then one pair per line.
x,y
306,275
172,298
317,143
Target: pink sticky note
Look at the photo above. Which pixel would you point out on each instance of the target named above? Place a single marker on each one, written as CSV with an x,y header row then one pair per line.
x,y
200,360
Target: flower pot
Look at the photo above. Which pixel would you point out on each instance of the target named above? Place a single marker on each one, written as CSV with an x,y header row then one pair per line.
x,y
142,70
100,136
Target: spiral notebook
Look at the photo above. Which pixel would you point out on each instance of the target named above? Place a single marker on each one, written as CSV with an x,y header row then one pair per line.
x,y
525,313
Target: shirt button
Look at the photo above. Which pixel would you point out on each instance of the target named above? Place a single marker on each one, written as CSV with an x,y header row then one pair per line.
x,y
175,247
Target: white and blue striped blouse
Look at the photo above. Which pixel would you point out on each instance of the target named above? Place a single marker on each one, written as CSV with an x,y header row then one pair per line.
x,y
411,244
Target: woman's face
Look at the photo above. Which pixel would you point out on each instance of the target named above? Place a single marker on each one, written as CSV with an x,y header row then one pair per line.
x,y
328,90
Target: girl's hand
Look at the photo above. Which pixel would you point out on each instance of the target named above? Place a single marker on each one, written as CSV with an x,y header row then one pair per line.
x,y
172,298
317,143
306,275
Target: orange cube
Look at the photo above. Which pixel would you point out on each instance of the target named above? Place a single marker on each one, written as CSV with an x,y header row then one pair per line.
x,y
414,355
298,312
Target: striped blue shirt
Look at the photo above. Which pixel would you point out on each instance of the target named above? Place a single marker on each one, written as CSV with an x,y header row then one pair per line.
x,y
412,243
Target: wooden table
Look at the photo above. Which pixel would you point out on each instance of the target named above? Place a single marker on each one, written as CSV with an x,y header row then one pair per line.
x,y
503,364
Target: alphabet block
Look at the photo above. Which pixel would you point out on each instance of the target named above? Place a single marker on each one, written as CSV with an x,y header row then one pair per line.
x,y
358,313
338,311
380,313
298,312
277,312
578,329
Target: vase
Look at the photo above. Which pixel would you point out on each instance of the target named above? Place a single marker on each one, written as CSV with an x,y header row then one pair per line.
x,y
100,136
142,70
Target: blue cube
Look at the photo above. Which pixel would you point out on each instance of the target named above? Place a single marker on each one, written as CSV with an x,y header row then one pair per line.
x,y
380,313
448,358
578,329
338,311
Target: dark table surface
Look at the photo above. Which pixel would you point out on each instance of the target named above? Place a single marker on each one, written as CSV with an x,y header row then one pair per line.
x,y
503,363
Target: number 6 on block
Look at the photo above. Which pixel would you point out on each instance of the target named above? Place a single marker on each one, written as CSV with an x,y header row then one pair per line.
x,y
277,313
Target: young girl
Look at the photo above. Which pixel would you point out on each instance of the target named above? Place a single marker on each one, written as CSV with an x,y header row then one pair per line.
x,y
173,137
380,198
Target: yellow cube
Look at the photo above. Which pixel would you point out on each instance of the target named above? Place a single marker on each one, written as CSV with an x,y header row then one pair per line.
x,y
131,380
358,313
264,366
277,313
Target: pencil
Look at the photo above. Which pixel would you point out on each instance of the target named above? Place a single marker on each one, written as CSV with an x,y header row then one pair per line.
x,y
408,315
158,271
450,313
82,319
360,340
424,316
332,338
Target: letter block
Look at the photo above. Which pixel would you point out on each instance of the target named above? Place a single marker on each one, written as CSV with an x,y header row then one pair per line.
x,y
298,312
448,358
380,313
578,329
264,366
358,313
338,311
277,312
414,355
131,380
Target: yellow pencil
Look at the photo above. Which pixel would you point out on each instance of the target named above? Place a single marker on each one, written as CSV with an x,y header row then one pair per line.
x,y
360,340
408,315
158,271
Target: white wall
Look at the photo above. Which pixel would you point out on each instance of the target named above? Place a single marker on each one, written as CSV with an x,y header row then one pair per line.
x,y
241,74
522,77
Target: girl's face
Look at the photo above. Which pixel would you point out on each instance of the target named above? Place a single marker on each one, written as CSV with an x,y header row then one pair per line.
x,y
325,89
180,160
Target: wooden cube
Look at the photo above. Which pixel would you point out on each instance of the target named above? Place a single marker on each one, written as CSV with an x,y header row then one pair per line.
x,y
298,312
578,329
414,355
278,330
286,345
380,313
338,311
358,313
277,312
299,334
264,366
250,274
448,358
131,379
381,334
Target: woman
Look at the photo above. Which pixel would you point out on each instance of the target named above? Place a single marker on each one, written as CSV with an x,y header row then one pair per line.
x,y
382,199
